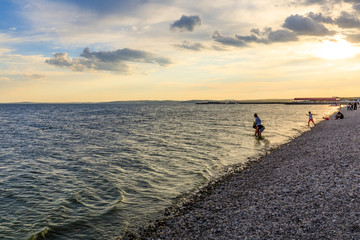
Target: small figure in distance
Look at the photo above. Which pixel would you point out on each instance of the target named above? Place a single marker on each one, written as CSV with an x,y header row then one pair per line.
x,y
339,115
257,125
311,119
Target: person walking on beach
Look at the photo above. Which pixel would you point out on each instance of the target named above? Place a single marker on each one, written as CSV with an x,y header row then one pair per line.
x,y
258,127
311,119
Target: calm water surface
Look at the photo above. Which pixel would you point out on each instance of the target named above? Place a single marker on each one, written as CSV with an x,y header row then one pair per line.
x,y
91,171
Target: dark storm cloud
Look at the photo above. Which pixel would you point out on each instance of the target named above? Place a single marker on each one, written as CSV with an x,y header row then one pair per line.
x,y
186,23
305,26
347,20
106,60
190,46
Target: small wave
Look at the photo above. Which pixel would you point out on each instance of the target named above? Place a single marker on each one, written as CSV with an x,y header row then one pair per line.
x,y
104,168
40,235
90,199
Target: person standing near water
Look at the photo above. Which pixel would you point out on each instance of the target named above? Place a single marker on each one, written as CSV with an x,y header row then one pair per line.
x,y
258,127
311,119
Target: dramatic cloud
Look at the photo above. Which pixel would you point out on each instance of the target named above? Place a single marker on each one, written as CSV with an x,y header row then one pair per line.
x,y
190,46
230,41
356,7
106,60
251,38
80,64
347,20
320,18
312,2
125,54
305,26
268,36
186,23
352,1
61,60
326,3
282,36
105,6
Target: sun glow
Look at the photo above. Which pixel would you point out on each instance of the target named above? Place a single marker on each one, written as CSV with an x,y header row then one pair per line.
x,y
336,48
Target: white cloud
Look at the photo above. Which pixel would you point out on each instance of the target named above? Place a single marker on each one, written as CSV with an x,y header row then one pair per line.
x,y
34,76
5,79
5,51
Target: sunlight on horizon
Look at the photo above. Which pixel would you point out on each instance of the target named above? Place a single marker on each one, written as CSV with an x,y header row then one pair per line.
x,y
335,49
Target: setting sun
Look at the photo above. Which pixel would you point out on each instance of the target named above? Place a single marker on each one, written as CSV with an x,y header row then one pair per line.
x,y
336,48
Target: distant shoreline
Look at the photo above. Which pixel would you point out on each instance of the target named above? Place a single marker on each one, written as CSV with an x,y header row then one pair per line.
x,y
285,103
197,102
291,101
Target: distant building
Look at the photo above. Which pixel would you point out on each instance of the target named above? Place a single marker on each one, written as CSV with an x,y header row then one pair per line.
x,y
332,100
349,99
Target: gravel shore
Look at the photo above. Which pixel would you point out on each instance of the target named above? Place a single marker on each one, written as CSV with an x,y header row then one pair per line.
x,y
306,189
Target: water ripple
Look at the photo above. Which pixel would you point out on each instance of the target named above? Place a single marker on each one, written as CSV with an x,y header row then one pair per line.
x,y
70,171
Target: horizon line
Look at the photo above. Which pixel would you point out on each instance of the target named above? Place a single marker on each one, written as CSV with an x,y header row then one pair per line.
x,y
167,100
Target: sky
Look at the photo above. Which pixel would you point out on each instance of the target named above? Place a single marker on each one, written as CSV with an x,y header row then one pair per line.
x,y
121,50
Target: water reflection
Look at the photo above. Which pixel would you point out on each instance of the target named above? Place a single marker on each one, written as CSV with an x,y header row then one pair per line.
x,y
97,169
262,143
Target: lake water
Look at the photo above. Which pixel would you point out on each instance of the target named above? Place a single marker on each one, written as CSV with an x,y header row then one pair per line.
x,y
91,171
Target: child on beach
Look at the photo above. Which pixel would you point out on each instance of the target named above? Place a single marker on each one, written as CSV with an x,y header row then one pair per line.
x,y
311,119
339,115
258,127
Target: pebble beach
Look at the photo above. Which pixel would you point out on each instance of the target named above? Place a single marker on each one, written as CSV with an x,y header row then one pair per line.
x,y
308,188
